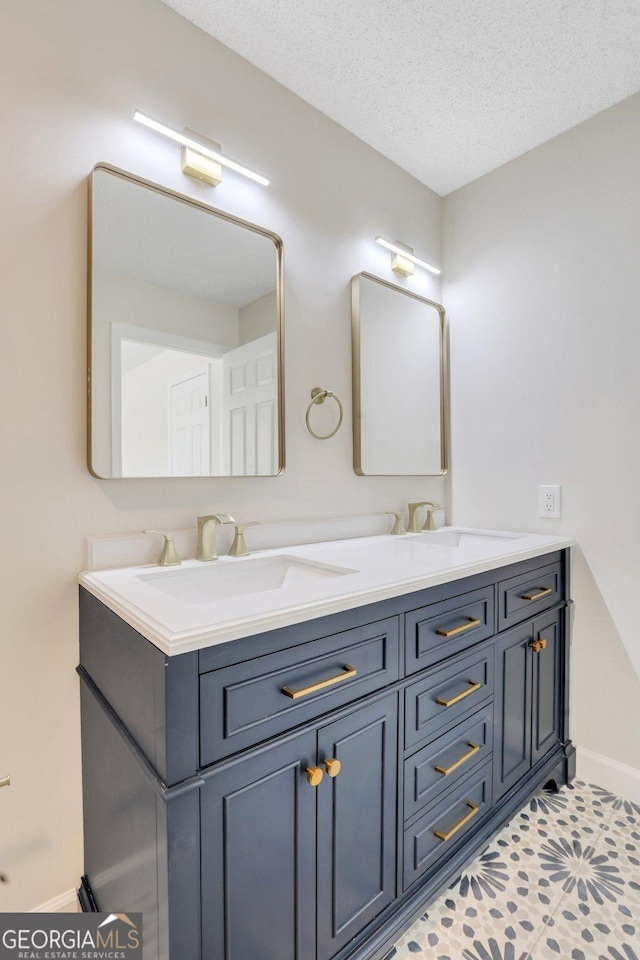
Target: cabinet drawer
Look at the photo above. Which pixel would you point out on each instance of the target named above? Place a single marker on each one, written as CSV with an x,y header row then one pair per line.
x,y
445,761
443,827
527,595
248,702
441,630
445,696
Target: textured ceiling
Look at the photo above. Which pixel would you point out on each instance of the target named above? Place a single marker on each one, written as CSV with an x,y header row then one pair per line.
x,y
448,89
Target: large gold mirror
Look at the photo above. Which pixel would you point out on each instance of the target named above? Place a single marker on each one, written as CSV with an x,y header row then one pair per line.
x,y
399,385
185,336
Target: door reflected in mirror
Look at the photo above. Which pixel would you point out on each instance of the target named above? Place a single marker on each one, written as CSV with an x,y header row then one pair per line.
x,y
399,413
186,323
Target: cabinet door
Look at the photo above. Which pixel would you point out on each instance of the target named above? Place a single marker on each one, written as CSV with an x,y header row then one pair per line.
x,y
258,820
545,730
512,742
356,823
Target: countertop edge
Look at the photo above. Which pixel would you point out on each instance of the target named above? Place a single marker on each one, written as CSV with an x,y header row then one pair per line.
x,y
173,644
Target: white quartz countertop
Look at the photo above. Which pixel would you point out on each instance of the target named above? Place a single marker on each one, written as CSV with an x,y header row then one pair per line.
x,y
197,605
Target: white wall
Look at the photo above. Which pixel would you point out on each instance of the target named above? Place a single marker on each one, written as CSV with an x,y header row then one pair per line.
x,y
257,318
71,75
543,294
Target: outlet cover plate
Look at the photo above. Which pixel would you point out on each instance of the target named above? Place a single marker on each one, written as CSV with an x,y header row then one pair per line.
x,y
549,502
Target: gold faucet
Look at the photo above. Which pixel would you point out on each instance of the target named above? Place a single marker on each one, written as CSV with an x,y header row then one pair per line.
x,y
413,525
398,526
239,547
207,527
169,556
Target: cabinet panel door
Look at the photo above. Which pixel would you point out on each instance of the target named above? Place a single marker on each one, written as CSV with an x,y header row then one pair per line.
x,y
356,823
546,686
258,819
512,742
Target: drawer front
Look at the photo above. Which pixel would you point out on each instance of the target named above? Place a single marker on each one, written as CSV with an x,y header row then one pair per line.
x,y
441,630
252,701
446,696
445,826
529,594
445,761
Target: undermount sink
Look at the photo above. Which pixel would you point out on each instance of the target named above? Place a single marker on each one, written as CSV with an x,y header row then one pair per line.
x,y
463,538
220,581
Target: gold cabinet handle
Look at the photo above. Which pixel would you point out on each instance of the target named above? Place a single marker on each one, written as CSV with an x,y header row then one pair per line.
x,y
473,686
459,824
469,625
295,694
536,596
314,776
538,645
333,766
445,771
5,781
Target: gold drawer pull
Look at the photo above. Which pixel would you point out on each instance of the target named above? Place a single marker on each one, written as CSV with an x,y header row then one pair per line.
x,y
536,596
473,686
295,694
459,824
314,775
472,622
445,771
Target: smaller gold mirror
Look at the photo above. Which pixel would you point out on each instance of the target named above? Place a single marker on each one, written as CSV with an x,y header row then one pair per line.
x,y
185,336
399,385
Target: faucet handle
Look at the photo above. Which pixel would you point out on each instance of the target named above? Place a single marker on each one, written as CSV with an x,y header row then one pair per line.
x,y
239,547
398,526
429,523
169,556
413,514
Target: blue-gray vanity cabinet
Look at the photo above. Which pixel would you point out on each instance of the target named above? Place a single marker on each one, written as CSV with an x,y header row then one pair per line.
x,y
528,697
198,809
268,836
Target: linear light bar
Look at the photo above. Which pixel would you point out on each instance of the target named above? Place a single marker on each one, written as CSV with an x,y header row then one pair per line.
x,y
395,248
199,147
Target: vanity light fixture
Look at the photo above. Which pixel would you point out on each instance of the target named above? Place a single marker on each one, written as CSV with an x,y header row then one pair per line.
x,y
198,159
403,258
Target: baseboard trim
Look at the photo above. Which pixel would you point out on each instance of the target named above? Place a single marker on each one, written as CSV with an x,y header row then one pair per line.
x,y
617,777
66,902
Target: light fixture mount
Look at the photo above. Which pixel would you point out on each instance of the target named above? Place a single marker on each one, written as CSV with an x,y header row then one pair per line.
x,y
403,258
196,164
198,146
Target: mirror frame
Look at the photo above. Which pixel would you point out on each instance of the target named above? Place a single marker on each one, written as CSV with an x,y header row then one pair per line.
x,y
355,358
230,218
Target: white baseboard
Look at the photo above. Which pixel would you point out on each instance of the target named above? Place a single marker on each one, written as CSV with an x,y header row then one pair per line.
x,y
617,777
64,903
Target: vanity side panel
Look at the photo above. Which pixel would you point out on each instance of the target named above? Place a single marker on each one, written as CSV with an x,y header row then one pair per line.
x,y
145,688
121,858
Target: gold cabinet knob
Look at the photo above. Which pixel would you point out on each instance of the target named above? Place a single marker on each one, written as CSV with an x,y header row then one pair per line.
x,y
536,646
314,775
333,766
543,643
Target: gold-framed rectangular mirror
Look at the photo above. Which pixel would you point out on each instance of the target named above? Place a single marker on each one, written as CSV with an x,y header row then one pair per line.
x,y
186,334
399,381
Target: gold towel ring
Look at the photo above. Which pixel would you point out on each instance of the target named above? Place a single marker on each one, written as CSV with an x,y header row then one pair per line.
x,y
318,395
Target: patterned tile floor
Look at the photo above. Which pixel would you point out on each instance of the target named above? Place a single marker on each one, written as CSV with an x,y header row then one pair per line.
x,y
560,882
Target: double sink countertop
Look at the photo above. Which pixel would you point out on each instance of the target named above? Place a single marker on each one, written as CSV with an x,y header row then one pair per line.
x,y
197,605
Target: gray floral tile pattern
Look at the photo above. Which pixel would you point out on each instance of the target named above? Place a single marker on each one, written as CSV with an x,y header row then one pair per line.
x,y
560,882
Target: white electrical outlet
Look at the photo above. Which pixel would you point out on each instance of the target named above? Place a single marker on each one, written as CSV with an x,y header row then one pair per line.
x,y
549,502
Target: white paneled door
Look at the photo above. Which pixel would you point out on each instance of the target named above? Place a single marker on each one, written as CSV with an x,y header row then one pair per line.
x,y
189,401
249,408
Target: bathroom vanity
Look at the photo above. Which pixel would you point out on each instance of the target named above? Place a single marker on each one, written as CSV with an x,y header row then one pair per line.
x,y
298,776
